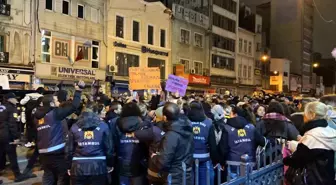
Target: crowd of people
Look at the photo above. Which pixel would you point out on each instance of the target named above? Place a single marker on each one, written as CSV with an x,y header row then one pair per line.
x,y
90,139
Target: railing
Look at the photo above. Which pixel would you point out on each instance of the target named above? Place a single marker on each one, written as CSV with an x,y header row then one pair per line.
x,y
267,170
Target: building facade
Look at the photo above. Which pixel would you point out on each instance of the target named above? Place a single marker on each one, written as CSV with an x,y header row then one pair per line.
x,y
15,41
138,36
70,41
223,45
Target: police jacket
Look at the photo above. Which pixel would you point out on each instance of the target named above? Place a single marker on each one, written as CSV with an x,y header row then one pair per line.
x,y
201,130
242,139
130,151
89,147
176,147
8,125
52,127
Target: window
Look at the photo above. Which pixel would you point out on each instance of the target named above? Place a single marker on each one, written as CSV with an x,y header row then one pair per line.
x,y
198,40
240,45
229,5
49,4
80,11
306,68
46,46
223,43
66,7
95,54
258,47
163,38
185,35
2,43
186,65
125,61
239,70
150,34
249,72
250,48
221,62
306,56
245,71
198,66
154,62
245,46
224,22
94,15
120,26
259,28
136,31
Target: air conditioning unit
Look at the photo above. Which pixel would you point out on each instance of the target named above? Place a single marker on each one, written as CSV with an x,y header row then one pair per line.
x,y
192,71
206,72
112,69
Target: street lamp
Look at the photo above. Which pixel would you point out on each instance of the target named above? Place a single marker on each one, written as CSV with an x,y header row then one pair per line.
x,y
316,65
264,58
275,72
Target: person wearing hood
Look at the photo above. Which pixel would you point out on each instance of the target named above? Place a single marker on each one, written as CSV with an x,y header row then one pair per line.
x,y
89,148
51,133
130,151
201,129
9,134
176,147
315,150
242,137
275,125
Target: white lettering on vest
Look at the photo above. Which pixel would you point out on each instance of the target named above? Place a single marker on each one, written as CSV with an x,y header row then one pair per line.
x,y
43,127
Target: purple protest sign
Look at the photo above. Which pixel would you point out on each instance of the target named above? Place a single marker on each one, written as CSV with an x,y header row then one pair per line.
x,y
177,84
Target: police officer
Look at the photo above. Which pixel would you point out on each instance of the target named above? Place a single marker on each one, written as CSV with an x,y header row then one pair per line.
x,y
9,134
89,150
242,138
201,129
51,132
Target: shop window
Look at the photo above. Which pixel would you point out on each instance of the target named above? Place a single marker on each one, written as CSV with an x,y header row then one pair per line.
x,y
66,7
119,26
95,54
222,62
46,46
80,11
185,36
150,34
49,4
136,31
153,62
198,66
124,61
163,38
198,40
186,64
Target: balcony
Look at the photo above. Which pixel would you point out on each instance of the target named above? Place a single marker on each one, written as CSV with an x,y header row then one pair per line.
x,y
4,57
5,9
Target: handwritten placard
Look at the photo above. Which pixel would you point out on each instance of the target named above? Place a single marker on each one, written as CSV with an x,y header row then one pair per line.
x,y
177,84
142,78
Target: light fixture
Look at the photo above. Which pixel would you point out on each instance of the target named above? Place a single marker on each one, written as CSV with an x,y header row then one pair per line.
x,y
275,72
264,58
316,65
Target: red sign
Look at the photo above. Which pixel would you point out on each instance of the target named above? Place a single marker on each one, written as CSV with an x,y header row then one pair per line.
x,y
198,79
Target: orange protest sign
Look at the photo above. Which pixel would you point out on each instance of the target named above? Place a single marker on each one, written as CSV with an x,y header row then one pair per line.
x,y
142,78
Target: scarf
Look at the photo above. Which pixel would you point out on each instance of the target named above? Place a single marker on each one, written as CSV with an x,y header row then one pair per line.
x,y
276,116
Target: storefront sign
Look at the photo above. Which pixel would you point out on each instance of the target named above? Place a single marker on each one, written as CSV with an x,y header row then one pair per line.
x,y
144,49
198,79
143,78
61,48
119,44
257,72
82,52
275,80
190,16
176,84
73,73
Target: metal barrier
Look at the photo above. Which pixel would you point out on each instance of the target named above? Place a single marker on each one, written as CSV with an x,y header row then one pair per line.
x,y
267,170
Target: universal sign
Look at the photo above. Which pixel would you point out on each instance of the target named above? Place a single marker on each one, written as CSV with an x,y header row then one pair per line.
x,y
68,72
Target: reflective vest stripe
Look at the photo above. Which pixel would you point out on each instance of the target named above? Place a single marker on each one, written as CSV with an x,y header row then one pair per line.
x,y
200,156
51,149
89,158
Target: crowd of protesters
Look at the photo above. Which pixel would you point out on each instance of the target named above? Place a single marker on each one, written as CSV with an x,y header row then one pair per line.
x,y
133,139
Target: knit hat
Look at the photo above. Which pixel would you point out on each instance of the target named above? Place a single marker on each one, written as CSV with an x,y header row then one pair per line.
x,y
62,95
218,112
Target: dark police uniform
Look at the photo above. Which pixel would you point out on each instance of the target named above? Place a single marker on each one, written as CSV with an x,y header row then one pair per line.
x,y
201,148
89,165
240,141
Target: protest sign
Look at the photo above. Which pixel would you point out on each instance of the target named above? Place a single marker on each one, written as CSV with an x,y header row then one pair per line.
x,y
143,78
177,84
